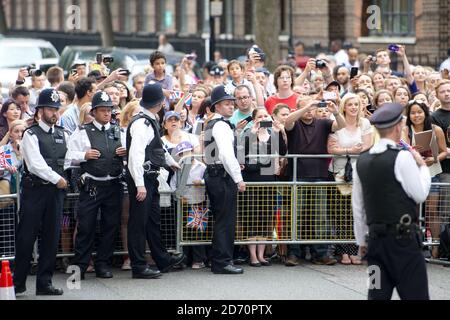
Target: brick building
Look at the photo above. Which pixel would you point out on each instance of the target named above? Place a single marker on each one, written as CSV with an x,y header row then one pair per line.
x,y
422,25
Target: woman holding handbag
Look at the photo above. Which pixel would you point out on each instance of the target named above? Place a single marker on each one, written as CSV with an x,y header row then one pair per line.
x,y
355,138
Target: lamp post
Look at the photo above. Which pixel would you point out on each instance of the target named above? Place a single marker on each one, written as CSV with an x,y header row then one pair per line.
x,y
216,10
291,39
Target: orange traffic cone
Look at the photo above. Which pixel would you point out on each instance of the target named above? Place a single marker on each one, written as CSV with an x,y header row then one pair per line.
x,y
6,283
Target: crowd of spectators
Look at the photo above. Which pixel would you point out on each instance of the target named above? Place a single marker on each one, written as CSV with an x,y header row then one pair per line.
x,y
316,105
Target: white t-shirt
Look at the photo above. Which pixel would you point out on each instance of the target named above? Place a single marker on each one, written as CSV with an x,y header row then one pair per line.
x,y
348,139
191,138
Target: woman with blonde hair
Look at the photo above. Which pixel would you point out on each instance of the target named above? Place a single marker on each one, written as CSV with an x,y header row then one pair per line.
x,y
85,113
356,137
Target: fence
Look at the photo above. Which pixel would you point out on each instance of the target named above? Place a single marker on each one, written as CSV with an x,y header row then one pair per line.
x,y
272,213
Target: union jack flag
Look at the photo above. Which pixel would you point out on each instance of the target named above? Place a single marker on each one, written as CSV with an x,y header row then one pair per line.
x,y
175,95
5,158
188,100
198,218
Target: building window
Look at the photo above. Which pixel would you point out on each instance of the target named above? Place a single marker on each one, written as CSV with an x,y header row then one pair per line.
x,y
61,14
124,16
181,16
227,18
249,11
200,15
13,15
141,16
92,16
160,15
397,18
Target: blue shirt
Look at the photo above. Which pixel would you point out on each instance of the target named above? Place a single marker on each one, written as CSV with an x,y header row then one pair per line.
x,y
71,118
166,84
238,116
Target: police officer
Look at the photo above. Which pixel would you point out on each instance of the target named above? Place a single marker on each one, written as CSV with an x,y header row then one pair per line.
x,y
223,179
145,157
43,148
388,184
97,148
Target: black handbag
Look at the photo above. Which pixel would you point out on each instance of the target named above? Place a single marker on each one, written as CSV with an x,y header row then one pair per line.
x,y
348,175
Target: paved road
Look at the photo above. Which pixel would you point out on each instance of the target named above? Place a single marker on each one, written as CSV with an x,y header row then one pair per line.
x,y
277,282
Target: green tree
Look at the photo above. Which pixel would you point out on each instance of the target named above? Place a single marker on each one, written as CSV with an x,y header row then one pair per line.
x,y
105,23
267,30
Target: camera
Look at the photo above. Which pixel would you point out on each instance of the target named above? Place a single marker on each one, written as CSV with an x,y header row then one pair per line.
x,y
320,64
394,48
32,71
354,72
258,51
370,108
99,57
125,72
108,59
322,104
265,124
191,56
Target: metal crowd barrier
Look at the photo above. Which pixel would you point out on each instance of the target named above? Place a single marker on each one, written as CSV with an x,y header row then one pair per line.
x,y
298,212
9,205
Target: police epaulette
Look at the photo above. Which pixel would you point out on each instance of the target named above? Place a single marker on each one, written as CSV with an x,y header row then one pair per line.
x,y
395,148
30,129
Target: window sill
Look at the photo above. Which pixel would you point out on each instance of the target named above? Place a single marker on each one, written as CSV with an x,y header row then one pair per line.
x,y
387,40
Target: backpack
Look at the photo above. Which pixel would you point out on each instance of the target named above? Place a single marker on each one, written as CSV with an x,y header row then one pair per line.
x,y
444,239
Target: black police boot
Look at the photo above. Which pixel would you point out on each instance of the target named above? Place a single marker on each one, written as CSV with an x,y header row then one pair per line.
x,y
175,260
49,291
103,273
229,269
147,273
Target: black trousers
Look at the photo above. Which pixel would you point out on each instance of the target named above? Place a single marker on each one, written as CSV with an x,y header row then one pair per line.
x,y
107,199
144,224
222,193
401,265
41,208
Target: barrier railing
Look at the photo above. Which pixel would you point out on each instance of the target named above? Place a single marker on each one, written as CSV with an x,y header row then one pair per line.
x,y
273,213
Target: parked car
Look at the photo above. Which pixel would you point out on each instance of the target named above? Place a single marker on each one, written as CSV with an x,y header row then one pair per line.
x,y
123,58
133,59
16,53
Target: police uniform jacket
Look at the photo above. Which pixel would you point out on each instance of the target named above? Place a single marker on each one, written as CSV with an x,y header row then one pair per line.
x,y
414,180
48,163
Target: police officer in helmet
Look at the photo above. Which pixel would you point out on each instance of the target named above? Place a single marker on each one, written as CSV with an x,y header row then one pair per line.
x,y
146,156
223,179
96,147
388,184
43,149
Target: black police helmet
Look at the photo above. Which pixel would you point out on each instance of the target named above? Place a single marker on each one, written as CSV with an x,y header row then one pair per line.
x,y
152,95
49,98
220,94
101,99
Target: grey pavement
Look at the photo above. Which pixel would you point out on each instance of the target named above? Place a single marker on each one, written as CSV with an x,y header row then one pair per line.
x,y
277,282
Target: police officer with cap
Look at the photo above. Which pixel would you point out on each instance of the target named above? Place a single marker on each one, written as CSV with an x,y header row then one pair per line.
x,y
223,179
146,156
43,148
217,73
97,148
388,184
